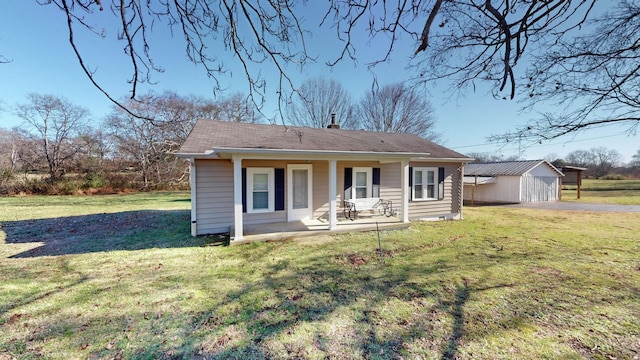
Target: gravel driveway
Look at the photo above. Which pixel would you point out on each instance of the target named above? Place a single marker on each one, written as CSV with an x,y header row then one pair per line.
x,y
574,206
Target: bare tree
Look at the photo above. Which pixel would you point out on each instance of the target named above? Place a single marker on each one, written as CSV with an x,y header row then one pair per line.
x,y
399,109
635,159
53,122
594,77
487,157
489,40
93,150
150,146
10,147
543,48
237,108
598,160
604,160
255,32
317,99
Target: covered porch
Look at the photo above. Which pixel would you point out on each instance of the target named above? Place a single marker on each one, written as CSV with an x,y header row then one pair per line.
x,y
315,227
333,222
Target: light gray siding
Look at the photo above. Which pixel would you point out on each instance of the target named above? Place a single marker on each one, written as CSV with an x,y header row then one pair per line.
x,y
269,217
390,186
214,203
449,207
214,192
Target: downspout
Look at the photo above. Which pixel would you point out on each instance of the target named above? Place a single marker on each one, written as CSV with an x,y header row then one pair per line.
x,y
461,179
192,184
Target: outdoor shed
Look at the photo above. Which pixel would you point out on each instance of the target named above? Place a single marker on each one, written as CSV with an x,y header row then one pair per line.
x,y
512,181
572,176
247,176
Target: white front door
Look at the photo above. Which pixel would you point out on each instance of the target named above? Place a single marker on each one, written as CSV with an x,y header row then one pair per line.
x,y
299,192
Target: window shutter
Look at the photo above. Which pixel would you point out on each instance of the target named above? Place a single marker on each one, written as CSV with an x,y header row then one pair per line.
x,y
376,182
410,183
279,189
348,177
440,183
244,190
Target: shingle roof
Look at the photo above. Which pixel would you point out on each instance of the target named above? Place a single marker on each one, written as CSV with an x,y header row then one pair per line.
x,y
209,134
505,168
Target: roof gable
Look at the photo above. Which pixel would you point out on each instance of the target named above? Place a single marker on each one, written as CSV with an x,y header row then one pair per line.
x,y
507,168
208,135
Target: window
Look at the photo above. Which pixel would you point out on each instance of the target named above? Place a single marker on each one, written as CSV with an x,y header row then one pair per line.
x,y
425,185
260,190
362,183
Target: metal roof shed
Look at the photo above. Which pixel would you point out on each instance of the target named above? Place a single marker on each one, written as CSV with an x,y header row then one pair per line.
x,y
512,181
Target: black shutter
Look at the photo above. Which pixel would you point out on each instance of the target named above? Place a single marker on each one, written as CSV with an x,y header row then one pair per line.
x,y
244,190
440,183
348,177
410,183
376,182
279,182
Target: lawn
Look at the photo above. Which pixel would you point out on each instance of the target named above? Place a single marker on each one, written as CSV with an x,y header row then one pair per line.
x,y
621,192
119,277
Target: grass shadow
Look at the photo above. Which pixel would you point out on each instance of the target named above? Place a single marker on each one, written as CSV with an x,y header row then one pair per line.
x,y
274,307
129,230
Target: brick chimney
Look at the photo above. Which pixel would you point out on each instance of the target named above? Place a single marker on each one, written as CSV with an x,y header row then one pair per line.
x,y
333,124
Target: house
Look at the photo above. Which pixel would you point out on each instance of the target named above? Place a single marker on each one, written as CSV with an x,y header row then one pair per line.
x,y
250,174
512,181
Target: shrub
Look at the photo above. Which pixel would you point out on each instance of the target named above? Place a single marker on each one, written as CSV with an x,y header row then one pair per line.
x,y
614,177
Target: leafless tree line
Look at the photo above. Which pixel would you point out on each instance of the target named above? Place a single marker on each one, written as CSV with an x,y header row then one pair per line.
x,y
122,151
598,161
59,138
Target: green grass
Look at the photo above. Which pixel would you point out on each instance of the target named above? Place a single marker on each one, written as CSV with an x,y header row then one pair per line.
x,y
42,206
503,283
621,192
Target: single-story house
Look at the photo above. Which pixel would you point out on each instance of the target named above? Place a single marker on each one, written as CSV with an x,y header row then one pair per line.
x,y
246,174
512,181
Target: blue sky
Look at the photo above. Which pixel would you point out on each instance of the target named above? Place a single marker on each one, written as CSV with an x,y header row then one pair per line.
x,y
34,38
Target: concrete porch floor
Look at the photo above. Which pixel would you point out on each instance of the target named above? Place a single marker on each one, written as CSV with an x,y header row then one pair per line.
x,y
315,227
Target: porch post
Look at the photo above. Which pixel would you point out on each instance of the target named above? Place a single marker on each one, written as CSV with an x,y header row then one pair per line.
x,y
404,188
332,195
237,197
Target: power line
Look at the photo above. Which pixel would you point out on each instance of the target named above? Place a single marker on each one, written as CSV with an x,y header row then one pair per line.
x,y
541,145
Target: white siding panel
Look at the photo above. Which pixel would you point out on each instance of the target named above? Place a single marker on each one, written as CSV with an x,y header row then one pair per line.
x,y
539,188
542,170
505,189
214,205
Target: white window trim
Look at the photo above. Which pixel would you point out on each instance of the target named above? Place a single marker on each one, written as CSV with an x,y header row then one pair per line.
x,y
369,171
271,189
424,183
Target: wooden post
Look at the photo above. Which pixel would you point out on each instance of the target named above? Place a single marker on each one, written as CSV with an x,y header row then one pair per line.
x,y
579,183
559,188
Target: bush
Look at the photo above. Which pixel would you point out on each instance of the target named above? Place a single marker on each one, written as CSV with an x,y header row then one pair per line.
x,y
93,181
614,177
79,184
